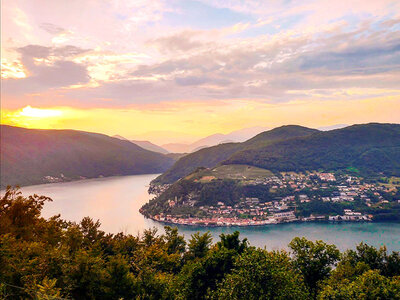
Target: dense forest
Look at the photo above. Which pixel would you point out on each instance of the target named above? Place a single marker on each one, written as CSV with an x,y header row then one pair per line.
x,y
369,148
57,259
35,156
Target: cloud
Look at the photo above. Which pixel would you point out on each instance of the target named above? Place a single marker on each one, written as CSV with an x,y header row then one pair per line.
x,y
130,52
52,29
47,68
182,41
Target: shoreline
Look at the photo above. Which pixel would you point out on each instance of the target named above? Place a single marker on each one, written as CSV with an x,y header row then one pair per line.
x,y
281,222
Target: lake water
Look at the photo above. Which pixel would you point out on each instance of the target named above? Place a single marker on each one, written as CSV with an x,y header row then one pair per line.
x,y
115,201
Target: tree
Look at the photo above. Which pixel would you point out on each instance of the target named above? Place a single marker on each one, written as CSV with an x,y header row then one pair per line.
x,y
368,286
376,259
259,274
199,244
120,281
313,260
20,216
232,241
201,277
175,243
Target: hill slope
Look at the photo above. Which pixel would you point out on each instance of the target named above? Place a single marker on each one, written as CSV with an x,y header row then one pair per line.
x,y
368,147
210,157
28,155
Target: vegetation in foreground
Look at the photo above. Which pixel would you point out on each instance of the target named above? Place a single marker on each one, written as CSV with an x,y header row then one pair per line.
x,y
53,259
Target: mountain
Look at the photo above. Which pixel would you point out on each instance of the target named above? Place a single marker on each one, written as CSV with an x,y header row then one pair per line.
x,y
367,148
215,139
177,147
29,155
150,146
145,145
210,157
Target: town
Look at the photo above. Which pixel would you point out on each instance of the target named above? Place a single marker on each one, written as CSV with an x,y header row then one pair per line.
x,y
354,197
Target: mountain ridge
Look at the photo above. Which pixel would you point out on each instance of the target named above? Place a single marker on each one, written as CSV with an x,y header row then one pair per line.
x,y
29,155
352,146
210,157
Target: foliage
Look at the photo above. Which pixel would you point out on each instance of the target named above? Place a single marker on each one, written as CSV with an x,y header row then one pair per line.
x,y
313,260
259,274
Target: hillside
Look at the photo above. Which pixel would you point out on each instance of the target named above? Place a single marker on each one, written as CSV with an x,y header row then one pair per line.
x,y
28,155
368,148
212,156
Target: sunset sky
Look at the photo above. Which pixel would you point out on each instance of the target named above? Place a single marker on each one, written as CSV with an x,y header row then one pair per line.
x,y
174,71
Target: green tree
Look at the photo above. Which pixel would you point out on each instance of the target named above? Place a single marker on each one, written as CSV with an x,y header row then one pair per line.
x,y
201,277
120,282
199,245
368,286
313,260
20,216
175,243
376,259
232,242
259,274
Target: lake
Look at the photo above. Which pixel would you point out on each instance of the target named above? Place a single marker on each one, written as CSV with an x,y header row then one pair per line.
x,y
115,201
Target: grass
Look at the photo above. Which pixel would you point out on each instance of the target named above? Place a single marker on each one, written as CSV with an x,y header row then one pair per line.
x,y
353,170
237,172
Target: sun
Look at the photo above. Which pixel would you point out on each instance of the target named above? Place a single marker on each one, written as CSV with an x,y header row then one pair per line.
x,y
32,117
32,112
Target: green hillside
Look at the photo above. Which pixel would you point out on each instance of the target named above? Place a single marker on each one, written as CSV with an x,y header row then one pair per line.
x,y
212,156
28,155
369,148
236,172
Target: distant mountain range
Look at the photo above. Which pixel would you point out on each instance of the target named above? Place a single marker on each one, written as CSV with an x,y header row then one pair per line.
x,y
215,139
145,145
33,156
366,148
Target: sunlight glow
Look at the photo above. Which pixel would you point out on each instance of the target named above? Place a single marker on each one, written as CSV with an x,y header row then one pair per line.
x,y
182,121
32,112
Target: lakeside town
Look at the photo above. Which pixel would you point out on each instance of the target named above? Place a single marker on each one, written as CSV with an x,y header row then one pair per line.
x,y
296,191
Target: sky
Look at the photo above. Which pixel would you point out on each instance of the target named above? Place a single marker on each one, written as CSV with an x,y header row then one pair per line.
x,y
179,70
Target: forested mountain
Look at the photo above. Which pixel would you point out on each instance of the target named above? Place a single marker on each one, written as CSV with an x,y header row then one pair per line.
x,y
369,148
29,155
210,157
